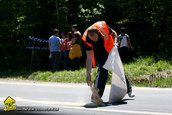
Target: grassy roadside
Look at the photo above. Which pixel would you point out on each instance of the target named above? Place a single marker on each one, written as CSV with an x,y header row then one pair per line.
x,y
150,72
145,71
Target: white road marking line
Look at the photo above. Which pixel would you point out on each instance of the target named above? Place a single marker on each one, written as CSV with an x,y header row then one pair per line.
x,y
72,105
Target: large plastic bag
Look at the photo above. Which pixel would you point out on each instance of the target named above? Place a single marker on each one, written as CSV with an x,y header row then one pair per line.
x,y
118,83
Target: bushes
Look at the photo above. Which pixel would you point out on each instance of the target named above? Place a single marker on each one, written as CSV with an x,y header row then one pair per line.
x,y
21,18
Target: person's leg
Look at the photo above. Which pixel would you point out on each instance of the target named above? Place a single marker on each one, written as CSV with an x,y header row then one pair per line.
x,y
75,64
57,60
126,59
65,60
125,51
121,54
100,80
129,88
53,61
68,60
61,59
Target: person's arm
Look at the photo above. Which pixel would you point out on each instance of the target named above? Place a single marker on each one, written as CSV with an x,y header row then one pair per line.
x,y
49,47
89,65
129,43
60,43
114,35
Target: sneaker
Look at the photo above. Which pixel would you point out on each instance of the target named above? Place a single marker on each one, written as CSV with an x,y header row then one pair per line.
x,y
131,94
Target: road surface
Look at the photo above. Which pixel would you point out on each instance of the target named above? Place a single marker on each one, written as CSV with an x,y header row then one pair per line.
x,y
74,99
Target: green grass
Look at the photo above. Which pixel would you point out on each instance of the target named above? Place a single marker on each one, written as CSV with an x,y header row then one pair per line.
x,y
145,71
146,66
77,76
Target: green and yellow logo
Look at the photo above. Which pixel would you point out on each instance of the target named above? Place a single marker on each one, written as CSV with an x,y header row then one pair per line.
x,y
9,104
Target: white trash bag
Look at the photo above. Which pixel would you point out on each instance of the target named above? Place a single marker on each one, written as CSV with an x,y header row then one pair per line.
x,y
118,83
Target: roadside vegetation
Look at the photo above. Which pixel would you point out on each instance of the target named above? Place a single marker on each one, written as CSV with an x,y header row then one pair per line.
x,y
145,71
150,72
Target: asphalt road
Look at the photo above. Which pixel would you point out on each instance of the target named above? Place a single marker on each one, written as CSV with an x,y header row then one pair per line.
x,y
74,99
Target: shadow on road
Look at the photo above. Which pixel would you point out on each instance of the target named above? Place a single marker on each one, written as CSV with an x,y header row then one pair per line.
x,y
92,105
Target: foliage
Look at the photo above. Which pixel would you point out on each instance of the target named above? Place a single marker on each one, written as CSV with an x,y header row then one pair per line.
x,y
148,23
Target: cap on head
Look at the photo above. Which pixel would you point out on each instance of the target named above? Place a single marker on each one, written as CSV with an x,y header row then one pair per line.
x,y
75,26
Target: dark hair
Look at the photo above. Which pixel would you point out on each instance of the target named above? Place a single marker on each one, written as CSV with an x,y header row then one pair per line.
x,y
63,33
75,26
70,34
55,31
123,30
92,31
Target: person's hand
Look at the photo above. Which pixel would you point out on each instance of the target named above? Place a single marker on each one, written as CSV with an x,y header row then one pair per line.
x,y
88,79
116,44
50,56
61,41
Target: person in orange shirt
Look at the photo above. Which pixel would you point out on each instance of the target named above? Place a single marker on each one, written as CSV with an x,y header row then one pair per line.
x,y
99,40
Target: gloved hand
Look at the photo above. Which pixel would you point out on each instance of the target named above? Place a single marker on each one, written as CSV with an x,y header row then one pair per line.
x,y
116,44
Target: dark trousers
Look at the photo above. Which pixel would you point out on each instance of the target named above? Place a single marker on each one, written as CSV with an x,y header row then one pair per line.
x,y
55,60
75,63
129,88
123,52
64,59
101,80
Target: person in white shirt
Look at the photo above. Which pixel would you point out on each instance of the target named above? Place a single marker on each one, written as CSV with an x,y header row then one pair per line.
x,y
124,44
